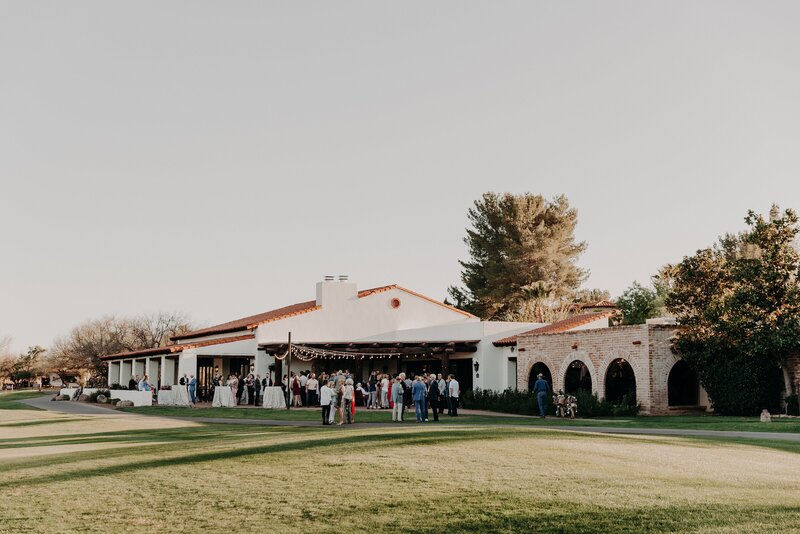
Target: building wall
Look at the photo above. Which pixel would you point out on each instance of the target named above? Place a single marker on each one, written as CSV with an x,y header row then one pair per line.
x,y
645,347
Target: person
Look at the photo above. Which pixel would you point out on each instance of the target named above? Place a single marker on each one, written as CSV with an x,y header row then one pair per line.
x,y
325,395
361,395
384,391
348,392
541,389
442,392
296,389
144,385
133,383
193,389
303,390
233,382
397,398
311,390
267,382
407,385
256,389
251,388
433,396
372,389
334,401
454,392
418,394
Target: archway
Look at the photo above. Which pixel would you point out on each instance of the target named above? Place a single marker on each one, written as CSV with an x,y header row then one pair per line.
x,y
682,385
577,378
620,381
537,368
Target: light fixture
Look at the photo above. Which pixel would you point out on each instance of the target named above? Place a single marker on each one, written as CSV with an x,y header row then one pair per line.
x,y
477,366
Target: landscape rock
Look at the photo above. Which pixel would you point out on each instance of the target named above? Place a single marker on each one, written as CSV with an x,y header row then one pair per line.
x,y
84,398
102,399
125,404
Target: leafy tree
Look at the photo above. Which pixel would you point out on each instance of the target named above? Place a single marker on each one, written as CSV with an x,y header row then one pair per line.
x,y
638,303
739,302
522,257
87,342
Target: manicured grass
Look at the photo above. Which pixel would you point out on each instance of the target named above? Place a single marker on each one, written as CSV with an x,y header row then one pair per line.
x,y
689,422
390,479
8,399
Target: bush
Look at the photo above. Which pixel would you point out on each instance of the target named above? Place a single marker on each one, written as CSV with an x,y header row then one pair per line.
x,y
508,401
791,405
589,405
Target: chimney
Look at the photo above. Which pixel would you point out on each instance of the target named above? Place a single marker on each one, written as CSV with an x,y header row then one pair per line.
x,y
331,293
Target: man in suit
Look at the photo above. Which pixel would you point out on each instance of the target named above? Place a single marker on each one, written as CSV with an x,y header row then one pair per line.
x,y
193,389
433,396
256,389
418,393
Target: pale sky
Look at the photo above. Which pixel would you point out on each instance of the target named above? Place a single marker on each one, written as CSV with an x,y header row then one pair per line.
x,y
220,158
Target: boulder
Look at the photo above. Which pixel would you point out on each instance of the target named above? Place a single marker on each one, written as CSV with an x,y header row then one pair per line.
x,y
84,398
125,404
766,417
102,399
64,397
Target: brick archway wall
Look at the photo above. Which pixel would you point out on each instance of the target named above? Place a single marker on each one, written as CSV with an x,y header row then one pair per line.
x,y
581,356
640,373
532,359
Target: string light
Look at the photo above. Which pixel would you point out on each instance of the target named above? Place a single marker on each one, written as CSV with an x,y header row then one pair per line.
x,y
305,353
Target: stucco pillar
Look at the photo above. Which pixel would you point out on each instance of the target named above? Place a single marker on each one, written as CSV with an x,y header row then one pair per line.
x,y
152,370
262,363
126,371
187,363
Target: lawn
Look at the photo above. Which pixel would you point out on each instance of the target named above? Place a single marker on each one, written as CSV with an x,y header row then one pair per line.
x,y
9,400
121,473
689,422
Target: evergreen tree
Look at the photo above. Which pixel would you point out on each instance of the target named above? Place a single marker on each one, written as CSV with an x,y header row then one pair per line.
x,y
522,257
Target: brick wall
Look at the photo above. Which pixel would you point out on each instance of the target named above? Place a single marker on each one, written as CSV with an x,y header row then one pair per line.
x,y
645,347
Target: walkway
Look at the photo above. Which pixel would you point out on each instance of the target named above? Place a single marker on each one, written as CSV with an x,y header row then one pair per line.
x,y
81,408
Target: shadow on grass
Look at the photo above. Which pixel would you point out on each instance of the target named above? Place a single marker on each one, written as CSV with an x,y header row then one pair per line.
x,y
382,439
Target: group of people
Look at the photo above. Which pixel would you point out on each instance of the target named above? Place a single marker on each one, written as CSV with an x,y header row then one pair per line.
x,y
140,383
246,389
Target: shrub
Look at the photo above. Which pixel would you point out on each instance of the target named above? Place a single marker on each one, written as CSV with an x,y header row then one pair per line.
x,y
589,405
508,401
95,394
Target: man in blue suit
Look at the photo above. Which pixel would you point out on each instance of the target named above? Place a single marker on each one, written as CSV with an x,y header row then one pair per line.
x,y
418,393
193,389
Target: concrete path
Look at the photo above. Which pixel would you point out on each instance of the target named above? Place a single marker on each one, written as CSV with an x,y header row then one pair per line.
x,y
71,407
81,408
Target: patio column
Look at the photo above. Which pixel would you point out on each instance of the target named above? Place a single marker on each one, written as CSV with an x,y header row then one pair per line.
x,y
125,372
187,363
262,363
152,370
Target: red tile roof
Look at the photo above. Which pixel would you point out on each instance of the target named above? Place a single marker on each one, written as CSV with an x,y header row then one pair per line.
x,y
565,325
178,347
248,323
599,304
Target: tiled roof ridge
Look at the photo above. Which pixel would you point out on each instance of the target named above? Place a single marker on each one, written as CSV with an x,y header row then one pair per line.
x,y
559,326
178,347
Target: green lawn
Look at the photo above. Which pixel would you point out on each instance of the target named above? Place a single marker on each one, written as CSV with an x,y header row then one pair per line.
x,y
120,474
693,422
9,399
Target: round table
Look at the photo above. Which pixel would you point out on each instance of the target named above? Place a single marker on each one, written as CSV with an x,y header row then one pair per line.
x,y
177,396
274,398
223,397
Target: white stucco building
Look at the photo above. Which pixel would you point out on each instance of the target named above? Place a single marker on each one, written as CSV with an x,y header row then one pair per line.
x,y
388,329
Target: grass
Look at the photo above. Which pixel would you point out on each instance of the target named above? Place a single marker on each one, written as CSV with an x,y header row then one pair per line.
x,y
686,422
186,476
9,400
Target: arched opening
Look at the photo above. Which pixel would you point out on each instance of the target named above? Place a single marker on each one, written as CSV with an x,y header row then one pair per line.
x,y
682,386
537,368
620,381
577,378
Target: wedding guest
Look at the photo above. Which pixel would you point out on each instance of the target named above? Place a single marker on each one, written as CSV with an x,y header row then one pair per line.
x,y
311,390
193,389
397,398
133,383
454,391
334,403
348,392
233,382
303,391
296,389
251,388
418,394
372,389
442,392
256,389
433,396
325,395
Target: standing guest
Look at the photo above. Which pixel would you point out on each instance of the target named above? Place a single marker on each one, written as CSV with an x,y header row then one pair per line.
x,y
241,387
361,395
296,389
285,388
233,382
133,383
325,395
442,392
433,396
256,390
407,385
455,391
251,388
372,384
541,388
311,390
418,394
303,391
397,398
348,394
334,401
193,389
384,391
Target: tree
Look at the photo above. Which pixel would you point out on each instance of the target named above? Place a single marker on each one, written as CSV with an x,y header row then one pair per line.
x,y
522,257
739,304
638,303
82,348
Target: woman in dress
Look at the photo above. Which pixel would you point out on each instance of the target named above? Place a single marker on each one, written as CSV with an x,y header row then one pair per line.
x,y
296,389
233,382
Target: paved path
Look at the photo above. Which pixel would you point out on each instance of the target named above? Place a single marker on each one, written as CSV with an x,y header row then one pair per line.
x,y
71,407
81,408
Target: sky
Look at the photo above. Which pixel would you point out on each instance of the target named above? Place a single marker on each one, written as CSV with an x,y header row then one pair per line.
x,y
220,158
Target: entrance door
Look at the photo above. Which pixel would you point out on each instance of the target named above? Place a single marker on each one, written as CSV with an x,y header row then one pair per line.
x,y
205,376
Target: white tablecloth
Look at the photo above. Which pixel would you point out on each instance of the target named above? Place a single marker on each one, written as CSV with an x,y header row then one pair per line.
x,y
223,397
177,396
273,398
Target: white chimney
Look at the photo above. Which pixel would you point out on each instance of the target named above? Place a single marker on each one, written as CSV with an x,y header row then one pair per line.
x,y
332,293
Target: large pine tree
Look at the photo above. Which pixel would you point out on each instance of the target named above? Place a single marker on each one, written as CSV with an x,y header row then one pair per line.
x,y
522,257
